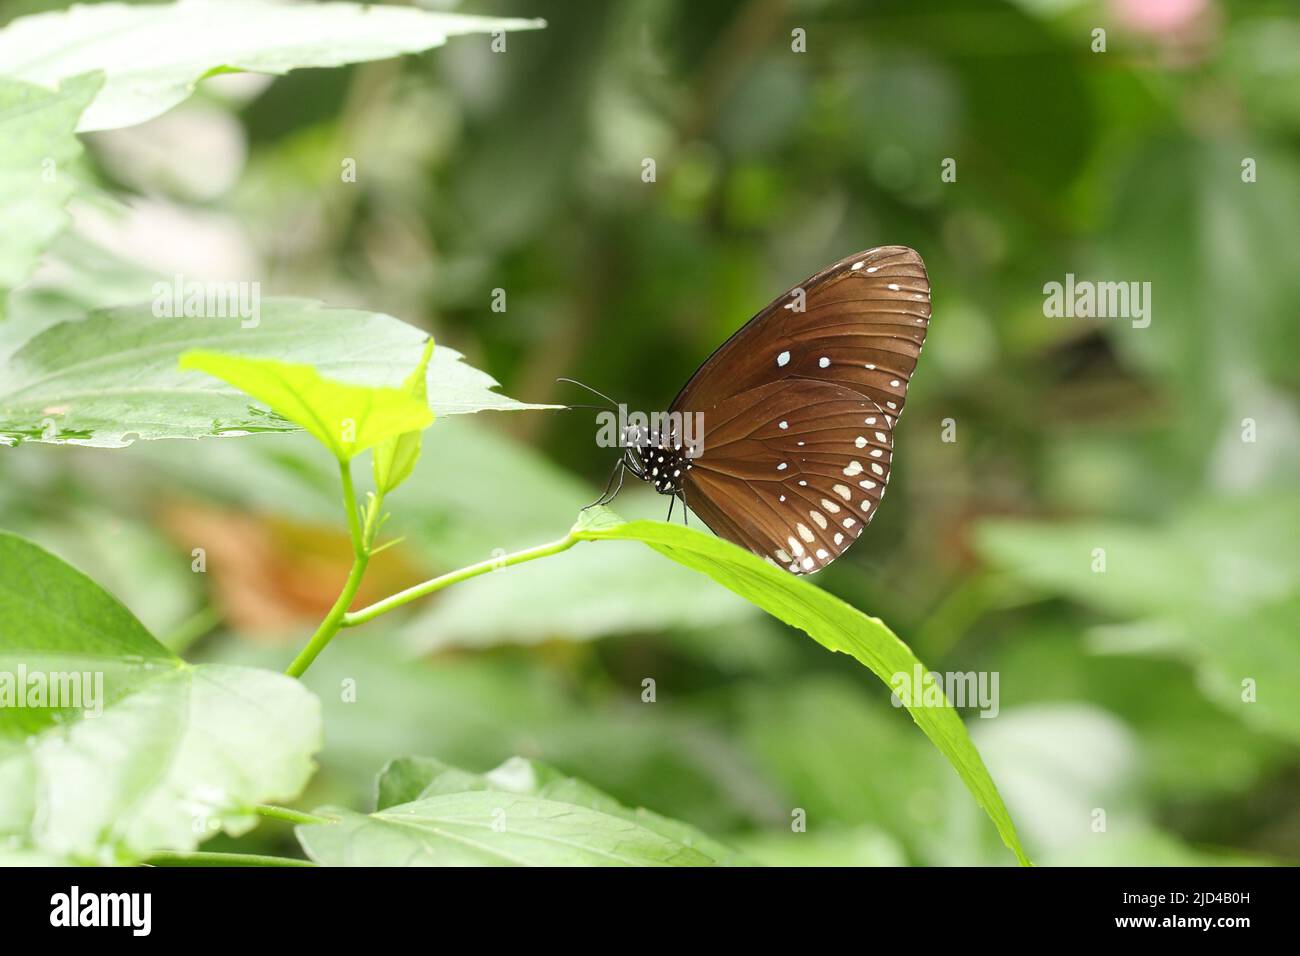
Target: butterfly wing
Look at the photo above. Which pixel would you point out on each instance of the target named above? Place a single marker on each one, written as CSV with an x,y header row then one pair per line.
x,y
859,323
792,470
799,408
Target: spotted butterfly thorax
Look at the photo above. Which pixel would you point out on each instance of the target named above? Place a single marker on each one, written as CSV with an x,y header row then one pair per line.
x,y
798,410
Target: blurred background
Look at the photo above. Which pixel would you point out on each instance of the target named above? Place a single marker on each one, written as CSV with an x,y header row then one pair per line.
x,y
1164,690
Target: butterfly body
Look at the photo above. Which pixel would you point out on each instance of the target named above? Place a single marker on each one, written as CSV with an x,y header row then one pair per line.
x,y
797,412
660,460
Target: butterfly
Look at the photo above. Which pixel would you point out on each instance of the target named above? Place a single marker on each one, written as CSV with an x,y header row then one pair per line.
x,y
795,414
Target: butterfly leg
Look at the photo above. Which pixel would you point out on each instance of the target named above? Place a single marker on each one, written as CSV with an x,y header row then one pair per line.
x,y
672,500
606,497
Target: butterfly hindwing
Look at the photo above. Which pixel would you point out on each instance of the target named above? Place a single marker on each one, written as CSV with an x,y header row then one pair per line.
x,y
792,470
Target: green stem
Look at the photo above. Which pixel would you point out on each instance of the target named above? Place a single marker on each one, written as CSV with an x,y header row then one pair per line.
x,y
291,815
362,539
333,620
452,577
350,505
206,858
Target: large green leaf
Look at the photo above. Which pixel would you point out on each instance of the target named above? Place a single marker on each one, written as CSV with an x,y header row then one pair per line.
x,y
153,56
163,756
346,419
825,618
113,377
416,778
520,814
36,128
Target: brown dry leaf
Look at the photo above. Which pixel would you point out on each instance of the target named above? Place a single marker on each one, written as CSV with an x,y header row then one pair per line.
x,y
271,578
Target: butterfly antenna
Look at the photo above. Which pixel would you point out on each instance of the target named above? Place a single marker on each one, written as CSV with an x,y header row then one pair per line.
x,y
593,391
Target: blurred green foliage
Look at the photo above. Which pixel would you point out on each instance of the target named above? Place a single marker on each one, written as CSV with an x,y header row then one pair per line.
x,y
1120,691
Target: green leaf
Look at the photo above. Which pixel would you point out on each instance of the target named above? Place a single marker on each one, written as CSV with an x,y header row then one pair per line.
x,y
395,458
415,778
1192,588
346,419
520,814
186,42
36,127
159,754
113,377
825,618
1217,555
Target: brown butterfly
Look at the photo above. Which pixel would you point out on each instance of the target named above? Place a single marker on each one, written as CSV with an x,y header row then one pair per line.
x,y
796,412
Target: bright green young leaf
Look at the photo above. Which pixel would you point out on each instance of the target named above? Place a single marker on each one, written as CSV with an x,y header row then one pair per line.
x,y
147,752
520,814
395,457
416,778
154,55
346,419
114,377
828,620
36,128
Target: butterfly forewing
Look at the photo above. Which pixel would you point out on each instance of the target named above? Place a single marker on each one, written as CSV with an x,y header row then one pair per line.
x,y
799,408
859,323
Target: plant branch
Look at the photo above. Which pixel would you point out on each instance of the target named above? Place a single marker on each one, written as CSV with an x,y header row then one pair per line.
x,y
207,858
293,816
363,537
452,577
350,505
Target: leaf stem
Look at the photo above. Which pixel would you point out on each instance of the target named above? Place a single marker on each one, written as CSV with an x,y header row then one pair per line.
x,y
293,816
350,505
209,858
363,537
452,577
